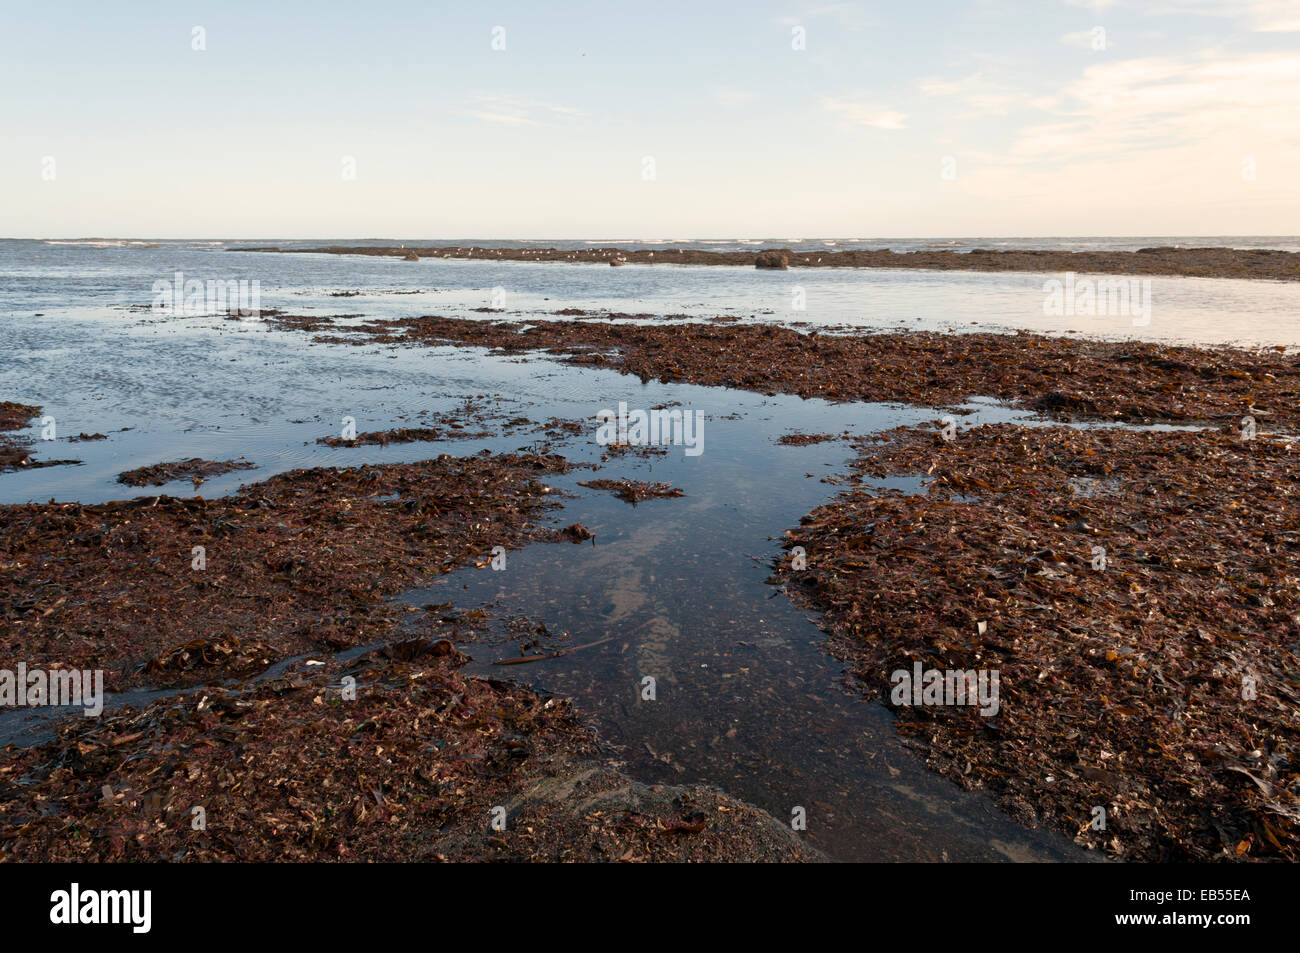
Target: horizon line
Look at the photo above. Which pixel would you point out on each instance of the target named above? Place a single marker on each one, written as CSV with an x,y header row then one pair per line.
x,y
556,238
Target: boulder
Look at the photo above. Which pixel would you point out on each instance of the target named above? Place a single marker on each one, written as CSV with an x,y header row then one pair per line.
x,y
772,258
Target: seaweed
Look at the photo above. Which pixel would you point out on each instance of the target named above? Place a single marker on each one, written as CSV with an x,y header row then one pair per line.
x,y
195,469
1137,593
633,491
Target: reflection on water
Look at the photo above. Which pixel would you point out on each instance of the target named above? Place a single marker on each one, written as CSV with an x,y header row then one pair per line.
x,y
745,697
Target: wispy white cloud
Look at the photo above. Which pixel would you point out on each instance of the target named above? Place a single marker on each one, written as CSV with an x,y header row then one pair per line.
x,y
979,96
853,112
848,15
510,110
1132,142
1135,104
1262,16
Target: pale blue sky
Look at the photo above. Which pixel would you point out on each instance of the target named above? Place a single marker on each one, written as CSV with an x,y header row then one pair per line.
x,y
1186,122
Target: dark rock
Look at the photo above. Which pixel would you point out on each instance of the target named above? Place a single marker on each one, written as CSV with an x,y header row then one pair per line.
x,y
772,258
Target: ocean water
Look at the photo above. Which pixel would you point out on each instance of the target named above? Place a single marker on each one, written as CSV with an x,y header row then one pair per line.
x,y
94,280
1075,243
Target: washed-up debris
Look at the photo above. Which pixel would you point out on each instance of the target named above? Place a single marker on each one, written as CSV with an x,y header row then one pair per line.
x,y
1063,378
235,657
523,659
15,454
576,533
14,416
586,315
384,758
634,491
302,562
804,439
1136,591
558,427
383,438
465,424
295,322
643,450
195,468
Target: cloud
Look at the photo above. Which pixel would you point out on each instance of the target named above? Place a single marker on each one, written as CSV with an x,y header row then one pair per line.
x,y
1154,146
516,111
1262,16
847,15
981,97
854,113
1139,104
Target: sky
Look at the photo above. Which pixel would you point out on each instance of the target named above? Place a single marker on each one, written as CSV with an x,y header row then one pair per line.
x,y
621,120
